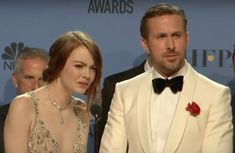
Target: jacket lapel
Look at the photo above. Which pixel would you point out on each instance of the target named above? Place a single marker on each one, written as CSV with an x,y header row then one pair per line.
x,y
181,115
143,112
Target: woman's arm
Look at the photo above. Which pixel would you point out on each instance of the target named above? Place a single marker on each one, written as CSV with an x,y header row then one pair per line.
x,y
17,125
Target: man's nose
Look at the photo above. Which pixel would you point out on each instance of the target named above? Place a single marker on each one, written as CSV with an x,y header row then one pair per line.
x,y
170,44
37,84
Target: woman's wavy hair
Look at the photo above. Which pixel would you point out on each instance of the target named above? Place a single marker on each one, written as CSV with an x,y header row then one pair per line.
x,y
60,51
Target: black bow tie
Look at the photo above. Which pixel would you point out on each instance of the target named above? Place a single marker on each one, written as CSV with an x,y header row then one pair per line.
x,y
175,84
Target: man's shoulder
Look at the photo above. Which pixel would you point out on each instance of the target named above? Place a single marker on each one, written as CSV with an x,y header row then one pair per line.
x,y
205,82
4,110
127,74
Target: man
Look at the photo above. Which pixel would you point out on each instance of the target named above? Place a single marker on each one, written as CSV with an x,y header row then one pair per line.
x,y
26,77
171,107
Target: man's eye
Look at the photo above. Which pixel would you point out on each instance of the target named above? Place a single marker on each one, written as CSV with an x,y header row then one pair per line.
x,y
160,36
29,77
177,36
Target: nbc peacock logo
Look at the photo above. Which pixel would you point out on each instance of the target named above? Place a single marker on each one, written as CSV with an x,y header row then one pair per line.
x,y
10,53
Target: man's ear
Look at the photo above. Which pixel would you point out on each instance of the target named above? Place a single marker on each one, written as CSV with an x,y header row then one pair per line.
x,y
14,80
187,38
144,44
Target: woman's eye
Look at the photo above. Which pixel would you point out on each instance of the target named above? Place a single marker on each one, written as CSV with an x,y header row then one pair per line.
x,y
78,66
93,68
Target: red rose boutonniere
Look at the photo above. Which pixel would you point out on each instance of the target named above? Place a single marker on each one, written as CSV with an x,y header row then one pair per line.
x,y
193,108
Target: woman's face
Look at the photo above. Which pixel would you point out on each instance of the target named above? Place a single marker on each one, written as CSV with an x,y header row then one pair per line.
x,y
79,71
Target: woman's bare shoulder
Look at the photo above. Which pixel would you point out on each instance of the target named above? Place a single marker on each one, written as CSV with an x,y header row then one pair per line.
x,y
21,104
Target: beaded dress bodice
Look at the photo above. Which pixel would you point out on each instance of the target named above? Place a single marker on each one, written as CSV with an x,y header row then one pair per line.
x,y
40,138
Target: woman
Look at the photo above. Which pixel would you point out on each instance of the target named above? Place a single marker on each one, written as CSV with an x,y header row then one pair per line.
x,y
49,119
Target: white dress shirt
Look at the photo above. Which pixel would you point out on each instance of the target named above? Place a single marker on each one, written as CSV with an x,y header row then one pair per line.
x,y
163,107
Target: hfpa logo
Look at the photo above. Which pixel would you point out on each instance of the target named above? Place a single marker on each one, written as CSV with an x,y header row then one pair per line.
x,y
10,53
210,57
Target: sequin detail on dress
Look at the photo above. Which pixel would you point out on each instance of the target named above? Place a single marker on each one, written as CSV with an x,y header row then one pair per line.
x,y
41,140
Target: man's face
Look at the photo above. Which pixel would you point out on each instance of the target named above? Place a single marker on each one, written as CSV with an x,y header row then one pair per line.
x,y
166,43
30,75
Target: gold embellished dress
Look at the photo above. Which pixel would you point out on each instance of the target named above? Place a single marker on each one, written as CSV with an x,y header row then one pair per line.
x,y
41,140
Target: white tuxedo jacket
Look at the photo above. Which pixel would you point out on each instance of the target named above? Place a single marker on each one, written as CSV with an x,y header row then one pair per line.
x,y
129,122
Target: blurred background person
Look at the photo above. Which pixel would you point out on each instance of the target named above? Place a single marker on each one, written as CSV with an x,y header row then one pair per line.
x,y
27,76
